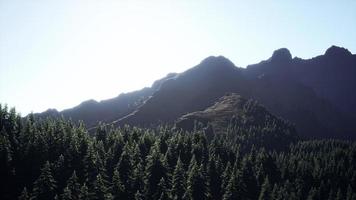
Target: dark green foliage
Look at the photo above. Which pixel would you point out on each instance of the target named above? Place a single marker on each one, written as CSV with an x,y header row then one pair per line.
x,y
178,181
139,196
266,191
24,195
45,185
236,188
125,169
117,188
73,186
196,182
162,192
100,188
67,194
85,194
155,170
56,159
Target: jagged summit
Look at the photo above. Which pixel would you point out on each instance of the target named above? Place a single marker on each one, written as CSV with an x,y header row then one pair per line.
x,y
282,54
337,51
312,93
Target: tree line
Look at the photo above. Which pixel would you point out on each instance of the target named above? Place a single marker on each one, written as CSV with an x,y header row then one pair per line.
x,y
59,159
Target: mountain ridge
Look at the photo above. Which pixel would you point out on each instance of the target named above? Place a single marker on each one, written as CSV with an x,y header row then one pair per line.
x,y
289,87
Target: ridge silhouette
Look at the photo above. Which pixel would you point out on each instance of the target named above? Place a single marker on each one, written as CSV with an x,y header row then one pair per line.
x,y
315,94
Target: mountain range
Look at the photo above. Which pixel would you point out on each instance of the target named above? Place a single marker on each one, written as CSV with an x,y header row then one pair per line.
x,y
317,95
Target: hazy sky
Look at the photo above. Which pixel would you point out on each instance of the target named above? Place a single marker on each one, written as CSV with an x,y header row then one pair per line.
x,y
56,54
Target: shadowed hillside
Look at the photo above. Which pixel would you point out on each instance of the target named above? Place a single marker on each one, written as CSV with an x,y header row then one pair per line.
x,y
314,94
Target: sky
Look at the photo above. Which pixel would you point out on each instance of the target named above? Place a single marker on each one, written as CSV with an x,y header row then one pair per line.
x,y
56,54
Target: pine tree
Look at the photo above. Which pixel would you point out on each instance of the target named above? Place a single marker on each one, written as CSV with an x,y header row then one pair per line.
x,y
226,176
139,196
24,195
196,183
90,166
312,195
331,195
231,191
67,194
235,188
275,195
339,195
162,192
74,186
117,187
155,170
45,185
178,181
125,169
265,193
101,189
249,179
171,158
6,159
85,194
349,193
138,180
60,172
214,180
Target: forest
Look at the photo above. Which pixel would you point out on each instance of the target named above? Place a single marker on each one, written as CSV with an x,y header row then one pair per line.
x,y
60,159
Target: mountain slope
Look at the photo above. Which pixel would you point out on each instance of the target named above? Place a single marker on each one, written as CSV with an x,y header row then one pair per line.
x,y
91,111
246,119
332,76
315,94
231,109
276,88
194,89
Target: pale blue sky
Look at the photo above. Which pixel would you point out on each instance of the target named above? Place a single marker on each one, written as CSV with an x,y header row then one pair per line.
x,y
56,54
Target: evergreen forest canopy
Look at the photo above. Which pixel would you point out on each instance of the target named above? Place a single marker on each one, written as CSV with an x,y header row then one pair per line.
x,y
58,159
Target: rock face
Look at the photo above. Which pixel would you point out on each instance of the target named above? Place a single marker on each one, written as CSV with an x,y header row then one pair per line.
x,y
245,118
317,94
281,55
229,109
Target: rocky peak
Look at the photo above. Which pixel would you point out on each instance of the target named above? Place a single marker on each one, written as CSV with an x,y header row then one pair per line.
x,y
336,51
282,54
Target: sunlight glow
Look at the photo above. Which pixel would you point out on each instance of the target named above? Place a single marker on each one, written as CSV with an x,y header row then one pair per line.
x,y
56,54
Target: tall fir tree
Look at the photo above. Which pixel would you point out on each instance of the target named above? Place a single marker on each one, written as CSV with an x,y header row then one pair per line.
x,y
85,194
74,186
155,170
67,194
117,188
45,185
266,190
196,183
178,181
101,189
125,169
214,180
24,195
236,188
162,192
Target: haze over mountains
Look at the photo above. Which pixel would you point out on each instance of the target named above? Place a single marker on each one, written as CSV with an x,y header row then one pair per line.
x,y
317,95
